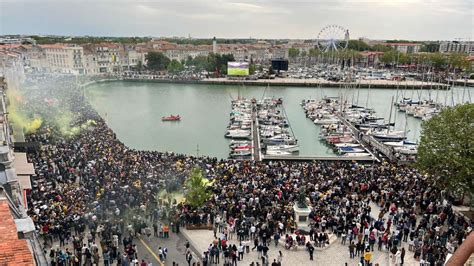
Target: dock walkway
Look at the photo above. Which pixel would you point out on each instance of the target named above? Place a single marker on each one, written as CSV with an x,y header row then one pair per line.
x,y
255,135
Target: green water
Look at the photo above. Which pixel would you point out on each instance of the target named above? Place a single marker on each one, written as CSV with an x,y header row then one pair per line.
x,y
134,110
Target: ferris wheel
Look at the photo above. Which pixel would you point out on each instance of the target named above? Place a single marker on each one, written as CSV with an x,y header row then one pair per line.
x,y
332,38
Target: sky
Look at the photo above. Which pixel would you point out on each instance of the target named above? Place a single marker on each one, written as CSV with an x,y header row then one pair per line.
x,y
294,19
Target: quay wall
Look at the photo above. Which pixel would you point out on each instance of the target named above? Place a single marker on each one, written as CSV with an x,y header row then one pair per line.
x,y
379,84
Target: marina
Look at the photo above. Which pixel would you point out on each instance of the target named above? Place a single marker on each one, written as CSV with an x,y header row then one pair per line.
x,y
205,110
357,132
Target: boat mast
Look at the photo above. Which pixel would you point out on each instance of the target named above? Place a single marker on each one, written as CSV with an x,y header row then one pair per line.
x,y
390,116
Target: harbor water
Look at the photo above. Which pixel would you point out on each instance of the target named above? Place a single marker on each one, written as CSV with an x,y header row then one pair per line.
x,y
134,110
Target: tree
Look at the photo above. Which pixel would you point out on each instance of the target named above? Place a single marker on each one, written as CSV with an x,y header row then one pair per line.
x,y
293,52
446,150
252,68
430,47
139,66
199,62
156,61
389,57
381,48
438,60
358,45
175,66
218,62
459,61
197,193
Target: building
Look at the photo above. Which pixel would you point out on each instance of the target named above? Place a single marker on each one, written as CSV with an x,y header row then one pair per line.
x,y
368,58
107,57
63,58
406,48
183,52
456,47
13,251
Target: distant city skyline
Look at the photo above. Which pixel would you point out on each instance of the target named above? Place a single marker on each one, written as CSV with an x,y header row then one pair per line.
x,y
260,19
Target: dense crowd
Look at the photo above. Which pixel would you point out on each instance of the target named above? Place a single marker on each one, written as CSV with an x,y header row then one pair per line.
x,y
87,182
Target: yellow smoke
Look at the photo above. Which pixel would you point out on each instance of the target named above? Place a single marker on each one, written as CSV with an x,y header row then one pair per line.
x,y
17,114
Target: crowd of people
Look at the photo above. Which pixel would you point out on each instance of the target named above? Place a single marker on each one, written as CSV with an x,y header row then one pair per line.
x,y
88,184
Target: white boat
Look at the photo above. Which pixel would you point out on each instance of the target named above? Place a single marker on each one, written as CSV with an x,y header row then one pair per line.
x,y
238,134
239,142
287,148
325,121
341,145
350,150
400,143
407,149
278,153
391,136
359,154
240,153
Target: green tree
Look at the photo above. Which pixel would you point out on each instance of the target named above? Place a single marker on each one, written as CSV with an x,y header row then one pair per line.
x,y
381,48
175,66
446,150
314,52
156,61
358,45
218,62
196,185
293,52
139,66
430,47
438,60
459,61
389,57
199,62
252,68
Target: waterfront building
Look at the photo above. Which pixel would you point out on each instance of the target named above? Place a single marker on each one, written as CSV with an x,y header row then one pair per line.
x,y
466,47
62,58
368,58
406,48
183,52
107,57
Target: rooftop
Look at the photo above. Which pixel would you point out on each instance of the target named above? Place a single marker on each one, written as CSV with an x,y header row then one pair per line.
x,y
13,251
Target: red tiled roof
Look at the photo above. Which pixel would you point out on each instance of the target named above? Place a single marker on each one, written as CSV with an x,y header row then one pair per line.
x,y
13,251
9,46
53,46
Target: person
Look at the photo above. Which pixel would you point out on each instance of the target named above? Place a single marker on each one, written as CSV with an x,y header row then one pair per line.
x,y
160,253
275,263
367,256
155,230
398,258
143,263
351,250
280,257
166,231
189,257
241,251
393,251
402,256
310,249
205,258
276,238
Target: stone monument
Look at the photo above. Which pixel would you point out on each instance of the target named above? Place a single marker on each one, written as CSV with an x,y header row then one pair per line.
x,y
302,211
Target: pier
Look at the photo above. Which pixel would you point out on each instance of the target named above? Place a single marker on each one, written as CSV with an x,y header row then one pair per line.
x,y
318,158
375,147
291,82
256,151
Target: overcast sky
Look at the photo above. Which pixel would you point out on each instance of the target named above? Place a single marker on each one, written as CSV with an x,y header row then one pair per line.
x,y
375,19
